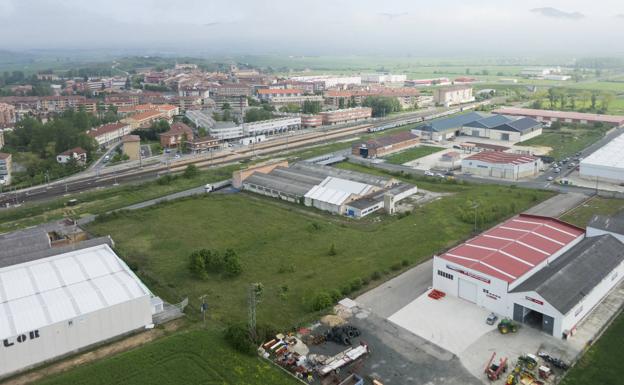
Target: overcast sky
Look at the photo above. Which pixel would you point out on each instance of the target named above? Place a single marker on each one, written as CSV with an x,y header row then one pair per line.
x,y
317,27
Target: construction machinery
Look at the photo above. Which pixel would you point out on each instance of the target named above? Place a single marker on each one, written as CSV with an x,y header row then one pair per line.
x,y
506,325
528,361
493,371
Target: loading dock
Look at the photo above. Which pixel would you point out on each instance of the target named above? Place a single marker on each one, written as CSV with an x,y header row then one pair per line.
x,y
534,318
467,290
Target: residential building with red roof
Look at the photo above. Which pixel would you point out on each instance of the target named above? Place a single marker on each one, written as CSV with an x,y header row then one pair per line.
x,y
176,135
111,133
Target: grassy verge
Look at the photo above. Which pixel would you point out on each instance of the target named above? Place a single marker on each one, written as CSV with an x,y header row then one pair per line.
x,y
581,215
566,141
411,154
187,357
101,201
601,364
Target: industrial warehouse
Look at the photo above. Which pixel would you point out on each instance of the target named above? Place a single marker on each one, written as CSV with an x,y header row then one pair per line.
x,y
61,293
474,124
385,145
606,164
337,191
536,270
497,164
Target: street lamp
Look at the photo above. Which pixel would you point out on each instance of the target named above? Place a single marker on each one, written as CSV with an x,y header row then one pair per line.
x,y
475,207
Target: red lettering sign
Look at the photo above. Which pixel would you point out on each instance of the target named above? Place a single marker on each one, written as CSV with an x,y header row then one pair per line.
x,y
537,301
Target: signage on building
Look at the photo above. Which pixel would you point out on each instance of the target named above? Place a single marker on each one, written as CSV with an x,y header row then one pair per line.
x,y
7,343
468,273
537,301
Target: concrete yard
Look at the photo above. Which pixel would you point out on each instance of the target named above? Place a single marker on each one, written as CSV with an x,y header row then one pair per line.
x,y
450,322
399,357
558,205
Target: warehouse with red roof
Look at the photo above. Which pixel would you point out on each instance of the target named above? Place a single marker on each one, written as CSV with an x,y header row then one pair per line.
x,y
497,164
536,270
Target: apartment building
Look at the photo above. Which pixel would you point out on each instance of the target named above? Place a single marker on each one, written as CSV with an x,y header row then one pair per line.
x,y
448,96
346,115
111,133
5,168
7,115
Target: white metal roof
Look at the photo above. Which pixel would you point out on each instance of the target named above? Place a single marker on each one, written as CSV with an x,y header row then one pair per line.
x,y
49,290
345,185
327,195
610,155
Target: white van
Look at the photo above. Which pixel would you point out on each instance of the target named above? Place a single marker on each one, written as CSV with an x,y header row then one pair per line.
x,y
208,188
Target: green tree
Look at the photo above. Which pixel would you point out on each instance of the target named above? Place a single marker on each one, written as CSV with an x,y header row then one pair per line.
x,y
606,101
231,264
191,171
585,97
341,103
197,265
594,99
311,107
382,105
257,114
552,96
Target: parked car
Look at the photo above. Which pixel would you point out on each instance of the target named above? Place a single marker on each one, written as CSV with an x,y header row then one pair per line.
x,y
550,178
557,170
449,173
429,173
208,187
491,319
177,156
457,146
439,175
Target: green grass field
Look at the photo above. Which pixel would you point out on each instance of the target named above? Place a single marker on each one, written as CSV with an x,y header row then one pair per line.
x,y
286,246
581,215
186,357
601,364
566,141
411,154
101,201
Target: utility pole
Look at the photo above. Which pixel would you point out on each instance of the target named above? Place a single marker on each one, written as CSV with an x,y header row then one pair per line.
x,y
203,307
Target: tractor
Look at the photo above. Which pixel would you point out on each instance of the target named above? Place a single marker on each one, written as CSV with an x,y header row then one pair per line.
x,y
506,325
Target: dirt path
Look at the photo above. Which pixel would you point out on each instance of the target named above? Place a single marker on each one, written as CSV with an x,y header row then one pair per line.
x,y
99,353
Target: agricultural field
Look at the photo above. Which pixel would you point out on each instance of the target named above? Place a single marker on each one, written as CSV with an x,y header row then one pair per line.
x,y
566,141
412,154
187,357
581,215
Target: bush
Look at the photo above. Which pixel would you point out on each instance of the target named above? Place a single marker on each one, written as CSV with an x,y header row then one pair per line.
x,y
238,337
396,266
335,295
332,250
321,301
405,263
191,171
375,275
355,284
231,264
197,264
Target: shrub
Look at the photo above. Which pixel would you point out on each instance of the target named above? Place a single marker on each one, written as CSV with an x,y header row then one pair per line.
x,y
375,275
356,284
231,264
335,295
238,337
191,171
404,263
321,301
197,265
315,226
396,266
332,250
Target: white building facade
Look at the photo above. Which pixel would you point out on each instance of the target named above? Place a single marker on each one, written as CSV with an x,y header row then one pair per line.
x,y
60,304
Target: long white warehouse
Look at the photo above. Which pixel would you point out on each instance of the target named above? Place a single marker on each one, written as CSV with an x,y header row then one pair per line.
x,y
58,304
606,164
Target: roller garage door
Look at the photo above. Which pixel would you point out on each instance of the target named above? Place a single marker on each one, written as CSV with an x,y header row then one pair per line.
x,y
467,290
